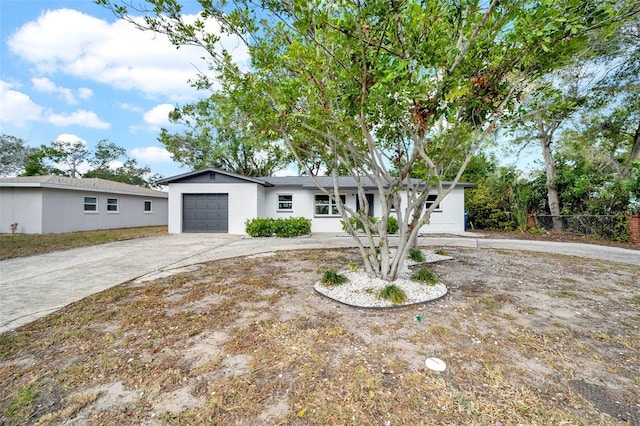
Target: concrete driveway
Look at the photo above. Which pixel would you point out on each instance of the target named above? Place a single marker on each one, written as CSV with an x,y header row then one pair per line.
x,y
33,287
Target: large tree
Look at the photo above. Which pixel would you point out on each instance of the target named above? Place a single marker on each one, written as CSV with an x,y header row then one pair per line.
x,y
377,86
613,121
220,134
594,101
14,153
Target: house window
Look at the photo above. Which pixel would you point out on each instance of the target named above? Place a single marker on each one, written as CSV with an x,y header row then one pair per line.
x,y
326,206
91,204
147,206
285,202
112,205
431,198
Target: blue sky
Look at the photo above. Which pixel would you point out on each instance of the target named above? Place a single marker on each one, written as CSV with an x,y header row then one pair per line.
x,y
70,70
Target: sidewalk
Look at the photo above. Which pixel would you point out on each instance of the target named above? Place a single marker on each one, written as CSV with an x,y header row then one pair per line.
x,y
36,286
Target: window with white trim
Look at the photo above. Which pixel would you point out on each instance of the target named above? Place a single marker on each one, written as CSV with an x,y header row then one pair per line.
x,y
91,204
112,205
431,198
147,206
285,202
326,205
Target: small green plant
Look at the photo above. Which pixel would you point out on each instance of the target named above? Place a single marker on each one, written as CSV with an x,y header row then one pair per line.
x,y
416,255
424,275
441,252
392,225
394,294
332,278
536,231
352,266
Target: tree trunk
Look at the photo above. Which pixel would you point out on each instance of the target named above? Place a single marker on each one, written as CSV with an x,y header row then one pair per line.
x,y
545,137
634,154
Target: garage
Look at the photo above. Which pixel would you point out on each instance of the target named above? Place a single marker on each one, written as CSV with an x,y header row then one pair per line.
x,y
205,213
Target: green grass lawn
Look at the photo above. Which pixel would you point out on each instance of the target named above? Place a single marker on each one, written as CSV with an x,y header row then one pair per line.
x,y
20,245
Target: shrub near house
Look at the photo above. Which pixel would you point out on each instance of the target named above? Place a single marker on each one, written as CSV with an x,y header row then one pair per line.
x,y
268,227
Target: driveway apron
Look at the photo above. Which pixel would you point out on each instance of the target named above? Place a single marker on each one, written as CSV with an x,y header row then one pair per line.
x,y
32,287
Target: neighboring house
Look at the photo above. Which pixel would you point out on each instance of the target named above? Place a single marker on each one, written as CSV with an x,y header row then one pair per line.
x,y
54,204
211,200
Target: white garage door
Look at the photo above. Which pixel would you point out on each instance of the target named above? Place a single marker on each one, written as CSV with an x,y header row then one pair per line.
x,y
205,213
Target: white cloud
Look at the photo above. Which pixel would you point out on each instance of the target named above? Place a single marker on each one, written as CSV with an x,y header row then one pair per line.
x,y
84,93
17,108
115,164
43,84
130,107
117,54
70,139
158,115
79,118
151,154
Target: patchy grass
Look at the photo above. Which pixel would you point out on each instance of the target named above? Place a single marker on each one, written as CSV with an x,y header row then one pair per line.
x,y
21,245
21,404
11,343
490,303
250,342
564,293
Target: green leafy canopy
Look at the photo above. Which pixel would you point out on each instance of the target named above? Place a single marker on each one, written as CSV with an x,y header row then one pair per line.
x,y
372,89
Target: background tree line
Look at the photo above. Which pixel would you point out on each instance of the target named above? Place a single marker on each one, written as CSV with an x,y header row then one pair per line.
x,y
73,159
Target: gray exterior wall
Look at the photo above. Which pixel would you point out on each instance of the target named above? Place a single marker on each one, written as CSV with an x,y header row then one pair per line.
x,y
48,210
22,206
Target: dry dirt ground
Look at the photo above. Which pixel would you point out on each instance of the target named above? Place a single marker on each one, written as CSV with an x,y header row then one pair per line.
x,y
528,339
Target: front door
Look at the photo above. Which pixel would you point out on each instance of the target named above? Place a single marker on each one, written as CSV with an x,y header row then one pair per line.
x,y
369,201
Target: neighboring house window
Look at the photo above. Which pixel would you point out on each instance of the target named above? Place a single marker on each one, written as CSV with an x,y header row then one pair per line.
x,y
285,202
147,206
326,206
90,204
431,198
112,205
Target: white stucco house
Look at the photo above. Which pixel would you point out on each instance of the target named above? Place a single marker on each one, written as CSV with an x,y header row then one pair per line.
x,y
56,204
212,200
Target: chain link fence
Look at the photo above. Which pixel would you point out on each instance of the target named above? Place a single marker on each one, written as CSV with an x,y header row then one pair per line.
x,y
611,227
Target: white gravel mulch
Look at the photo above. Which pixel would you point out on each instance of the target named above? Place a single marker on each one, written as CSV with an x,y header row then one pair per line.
x,y
361,290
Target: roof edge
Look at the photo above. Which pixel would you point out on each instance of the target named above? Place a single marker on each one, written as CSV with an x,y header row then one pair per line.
x,y
175,179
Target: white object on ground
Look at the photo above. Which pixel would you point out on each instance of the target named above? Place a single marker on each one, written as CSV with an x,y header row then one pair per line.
x,y
435,364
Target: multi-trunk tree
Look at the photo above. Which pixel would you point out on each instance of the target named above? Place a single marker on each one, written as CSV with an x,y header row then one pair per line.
x,y
376,87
